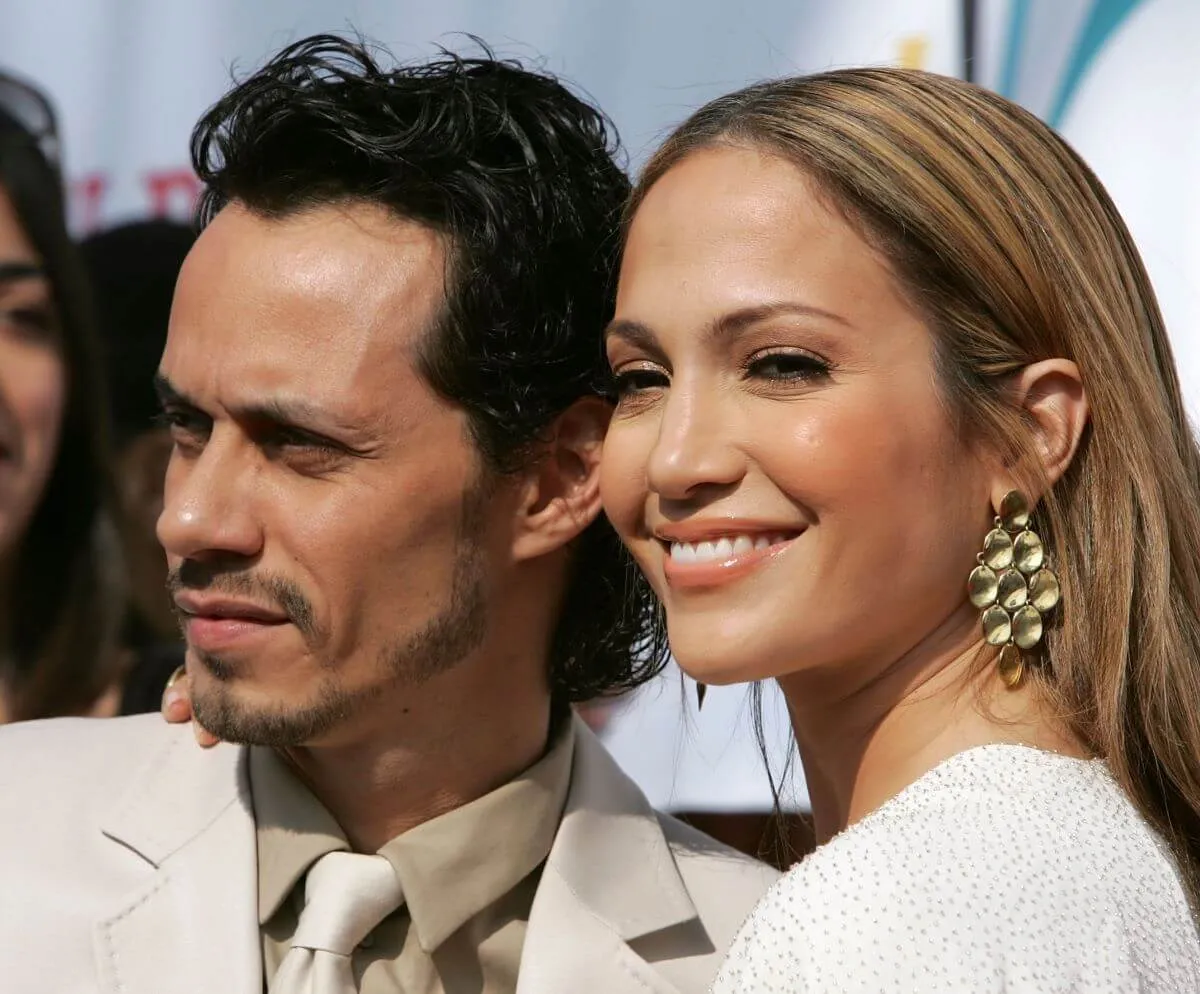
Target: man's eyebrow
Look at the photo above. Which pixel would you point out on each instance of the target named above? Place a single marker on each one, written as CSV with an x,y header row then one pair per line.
x,y
167,394
292,412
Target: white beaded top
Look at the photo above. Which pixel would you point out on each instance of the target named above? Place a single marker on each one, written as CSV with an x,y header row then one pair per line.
x,y
1004,869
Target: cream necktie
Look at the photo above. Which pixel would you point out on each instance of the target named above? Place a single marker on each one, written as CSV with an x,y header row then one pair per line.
x,y
345,896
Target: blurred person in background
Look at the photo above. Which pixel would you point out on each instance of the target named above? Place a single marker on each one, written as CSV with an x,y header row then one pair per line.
x,y
133,269
60,589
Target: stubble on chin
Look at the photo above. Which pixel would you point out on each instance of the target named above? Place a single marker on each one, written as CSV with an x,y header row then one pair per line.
x,y
221,709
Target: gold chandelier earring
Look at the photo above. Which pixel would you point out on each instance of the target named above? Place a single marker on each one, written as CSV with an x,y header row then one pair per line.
x,y
1012,587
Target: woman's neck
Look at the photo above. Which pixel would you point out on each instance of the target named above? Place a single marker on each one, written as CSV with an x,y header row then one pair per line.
x,y
862,742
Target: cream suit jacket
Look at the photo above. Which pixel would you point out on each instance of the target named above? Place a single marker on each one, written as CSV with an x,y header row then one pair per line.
x,y
127,866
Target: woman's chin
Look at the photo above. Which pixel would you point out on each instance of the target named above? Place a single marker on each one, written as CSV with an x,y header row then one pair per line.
x,y
706,664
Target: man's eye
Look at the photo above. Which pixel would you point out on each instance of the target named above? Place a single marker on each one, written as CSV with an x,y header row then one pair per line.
x,y
303,452
299,440
186,428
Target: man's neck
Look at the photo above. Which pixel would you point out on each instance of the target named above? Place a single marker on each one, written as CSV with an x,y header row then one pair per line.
x,y
412,760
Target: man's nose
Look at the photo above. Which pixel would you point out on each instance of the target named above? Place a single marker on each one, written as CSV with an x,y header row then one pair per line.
x,y
208,504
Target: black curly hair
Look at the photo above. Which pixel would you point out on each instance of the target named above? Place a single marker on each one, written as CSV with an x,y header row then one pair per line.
x,y
521,177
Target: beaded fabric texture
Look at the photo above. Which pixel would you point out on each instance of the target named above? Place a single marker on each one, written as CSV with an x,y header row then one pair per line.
x,y
1004,869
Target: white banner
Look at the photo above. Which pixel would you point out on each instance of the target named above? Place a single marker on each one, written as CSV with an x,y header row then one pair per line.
x,y
1118,79
130,77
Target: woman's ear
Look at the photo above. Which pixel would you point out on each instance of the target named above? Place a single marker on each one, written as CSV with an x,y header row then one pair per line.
x,y
561,496
1051,393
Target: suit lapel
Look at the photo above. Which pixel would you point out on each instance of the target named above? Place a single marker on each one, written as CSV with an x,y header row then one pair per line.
x,y
192,924
610,879
568,948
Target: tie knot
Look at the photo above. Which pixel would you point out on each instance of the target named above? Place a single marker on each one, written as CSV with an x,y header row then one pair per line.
x,y
345,896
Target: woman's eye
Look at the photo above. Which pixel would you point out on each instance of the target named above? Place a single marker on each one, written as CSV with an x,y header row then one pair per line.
x,y
632,381
787,366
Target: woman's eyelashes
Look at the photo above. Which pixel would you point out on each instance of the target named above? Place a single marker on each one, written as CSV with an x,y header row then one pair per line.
x,y
786,366
779,366
638,379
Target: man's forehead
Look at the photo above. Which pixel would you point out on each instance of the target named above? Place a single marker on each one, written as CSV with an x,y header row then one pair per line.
x,y
332,300
328,221
354,256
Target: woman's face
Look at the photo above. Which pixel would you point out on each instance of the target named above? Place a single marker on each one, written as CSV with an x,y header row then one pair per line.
x,y
781,462
32,379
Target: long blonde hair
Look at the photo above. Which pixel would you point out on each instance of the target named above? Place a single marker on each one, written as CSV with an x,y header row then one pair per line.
x,y
1009,245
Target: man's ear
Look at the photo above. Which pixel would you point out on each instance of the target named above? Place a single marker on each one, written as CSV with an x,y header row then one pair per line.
x,y
561,496
1051,393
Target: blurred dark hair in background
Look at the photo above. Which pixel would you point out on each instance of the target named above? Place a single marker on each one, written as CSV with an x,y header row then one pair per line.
x,y
133,269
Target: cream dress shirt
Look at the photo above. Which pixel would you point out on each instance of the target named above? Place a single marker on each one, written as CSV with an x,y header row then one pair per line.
x,y
469,877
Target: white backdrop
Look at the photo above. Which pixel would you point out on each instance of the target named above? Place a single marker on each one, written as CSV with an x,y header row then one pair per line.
x,y
130,77
1118,79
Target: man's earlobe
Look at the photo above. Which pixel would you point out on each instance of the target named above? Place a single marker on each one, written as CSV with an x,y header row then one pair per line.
x,y
562,494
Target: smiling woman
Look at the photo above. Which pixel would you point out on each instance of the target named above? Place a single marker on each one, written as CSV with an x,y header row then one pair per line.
x,y
59,587
868,323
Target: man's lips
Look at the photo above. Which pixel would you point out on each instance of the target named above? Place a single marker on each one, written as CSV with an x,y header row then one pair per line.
x,y
218,624
199,606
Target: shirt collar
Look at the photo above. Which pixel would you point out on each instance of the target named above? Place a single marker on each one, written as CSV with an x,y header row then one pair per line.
x,y
451,867
294,829
459,863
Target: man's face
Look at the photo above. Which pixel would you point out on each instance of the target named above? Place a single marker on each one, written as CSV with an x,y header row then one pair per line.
x,y
324,516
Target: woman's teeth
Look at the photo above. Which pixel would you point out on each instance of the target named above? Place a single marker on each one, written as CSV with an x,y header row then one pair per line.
x,y
721,549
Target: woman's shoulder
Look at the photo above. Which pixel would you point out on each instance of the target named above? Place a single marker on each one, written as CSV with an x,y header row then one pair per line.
x,y
1001,863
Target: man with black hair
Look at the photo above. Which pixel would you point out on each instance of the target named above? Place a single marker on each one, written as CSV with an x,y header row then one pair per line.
x,y
384,381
